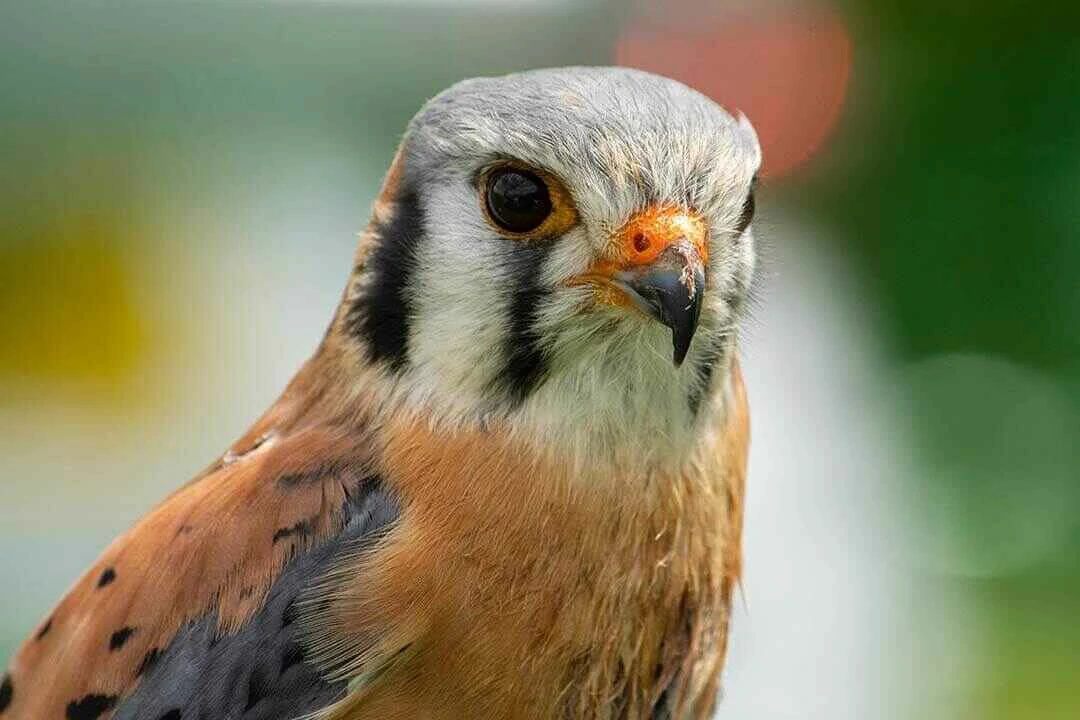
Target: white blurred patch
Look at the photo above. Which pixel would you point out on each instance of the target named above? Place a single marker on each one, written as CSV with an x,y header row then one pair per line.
x,y
830,624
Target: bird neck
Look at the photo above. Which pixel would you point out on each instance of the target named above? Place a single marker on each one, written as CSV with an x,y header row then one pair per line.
x,y
599,433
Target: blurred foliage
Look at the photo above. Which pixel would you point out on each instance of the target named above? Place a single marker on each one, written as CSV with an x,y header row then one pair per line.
x,y
957,191
959,201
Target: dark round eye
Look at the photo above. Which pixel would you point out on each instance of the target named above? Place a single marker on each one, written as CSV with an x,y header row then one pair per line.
x,y
517,200
747,214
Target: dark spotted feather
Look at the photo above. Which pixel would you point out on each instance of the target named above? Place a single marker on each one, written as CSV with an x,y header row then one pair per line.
x,y
262,671
194,613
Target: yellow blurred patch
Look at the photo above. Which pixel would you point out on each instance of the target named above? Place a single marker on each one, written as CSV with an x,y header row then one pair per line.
x,y
67,307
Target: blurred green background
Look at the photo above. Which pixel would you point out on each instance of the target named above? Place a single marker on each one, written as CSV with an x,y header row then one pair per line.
x,y
180,188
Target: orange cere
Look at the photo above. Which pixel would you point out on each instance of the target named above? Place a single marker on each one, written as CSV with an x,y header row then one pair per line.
x,y
641,240
647,234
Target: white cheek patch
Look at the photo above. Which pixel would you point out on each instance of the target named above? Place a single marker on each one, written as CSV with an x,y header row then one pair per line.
x,y
459,300
570,255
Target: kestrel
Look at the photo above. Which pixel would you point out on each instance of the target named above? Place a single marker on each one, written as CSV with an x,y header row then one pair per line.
x,y
508,483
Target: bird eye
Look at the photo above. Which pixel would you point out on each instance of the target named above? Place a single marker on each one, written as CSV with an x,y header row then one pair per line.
x,y
517,200
747,214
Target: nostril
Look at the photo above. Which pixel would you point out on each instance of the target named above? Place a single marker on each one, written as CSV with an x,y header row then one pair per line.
x,y
641,242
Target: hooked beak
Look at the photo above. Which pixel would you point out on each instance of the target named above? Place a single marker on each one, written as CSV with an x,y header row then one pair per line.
x,y
670,290
659,268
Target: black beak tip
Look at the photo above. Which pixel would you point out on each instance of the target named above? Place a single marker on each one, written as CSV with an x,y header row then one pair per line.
x,y
671,291
668,297
683,326
681,346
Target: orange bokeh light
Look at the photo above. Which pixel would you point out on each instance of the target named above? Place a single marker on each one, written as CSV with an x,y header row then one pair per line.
x,y
786,68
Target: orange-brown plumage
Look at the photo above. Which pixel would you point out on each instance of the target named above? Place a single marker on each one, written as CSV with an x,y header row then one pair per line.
x,y
211,546
519,588
527,592
519,577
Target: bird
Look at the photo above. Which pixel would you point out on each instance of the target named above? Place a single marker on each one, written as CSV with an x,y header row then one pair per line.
x,y
509,481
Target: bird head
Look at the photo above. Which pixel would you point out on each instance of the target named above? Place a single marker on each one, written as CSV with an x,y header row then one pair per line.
x,y
566,250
